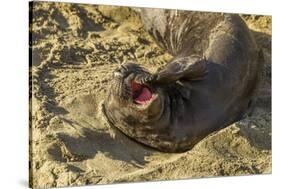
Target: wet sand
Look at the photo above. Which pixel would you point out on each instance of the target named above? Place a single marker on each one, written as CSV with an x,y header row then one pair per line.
x,y
75,48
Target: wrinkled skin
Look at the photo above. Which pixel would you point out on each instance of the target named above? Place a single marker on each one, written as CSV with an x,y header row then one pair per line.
x,y
207,86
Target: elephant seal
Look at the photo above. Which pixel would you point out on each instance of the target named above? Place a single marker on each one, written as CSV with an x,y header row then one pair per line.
x,y
208,85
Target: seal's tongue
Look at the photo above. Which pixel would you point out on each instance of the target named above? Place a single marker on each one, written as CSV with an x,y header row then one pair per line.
x,y
141,94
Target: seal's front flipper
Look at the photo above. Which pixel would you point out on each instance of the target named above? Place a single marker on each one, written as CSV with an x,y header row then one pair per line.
x,y
184,68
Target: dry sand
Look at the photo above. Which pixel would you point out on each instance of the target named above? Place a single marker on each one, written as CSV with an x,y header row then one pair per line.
x,y
74,50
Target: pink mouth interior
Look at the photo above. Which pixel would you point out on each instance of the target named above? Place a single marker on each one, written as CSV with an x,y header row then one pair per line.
x,y
141,93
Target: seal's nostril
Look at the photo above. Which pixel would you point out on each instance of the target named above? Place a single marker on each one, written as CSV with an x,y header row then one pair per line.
x,y
124,68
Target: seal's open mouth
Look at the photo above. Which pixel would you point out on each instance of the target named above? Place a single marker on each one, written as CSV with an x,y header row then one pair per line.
x,y
141,93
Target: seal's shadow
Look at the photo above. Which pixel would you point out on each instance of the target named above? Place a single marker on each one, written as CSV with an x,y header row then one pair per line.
x,y
91,141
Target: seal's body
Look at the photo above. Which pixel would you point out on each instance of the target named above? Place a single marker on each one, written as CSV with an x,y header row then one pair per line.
x,y
207,86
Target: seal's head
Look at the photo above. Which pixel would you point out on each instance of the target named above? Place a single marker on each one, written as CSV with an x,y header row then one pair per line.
x,y
130,99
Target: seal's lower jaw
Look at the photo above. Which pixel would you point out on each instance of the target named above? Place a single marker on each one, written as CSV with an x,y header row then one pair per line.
x,y
142,95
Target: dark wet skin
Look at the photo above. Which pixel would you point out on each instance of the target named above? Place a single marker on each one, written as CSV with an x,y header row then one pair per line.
x,y
200,91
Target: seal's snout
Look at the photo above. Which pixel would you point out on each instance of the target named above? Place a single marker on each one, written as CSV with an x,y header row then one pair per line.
x,y
123,70
131,84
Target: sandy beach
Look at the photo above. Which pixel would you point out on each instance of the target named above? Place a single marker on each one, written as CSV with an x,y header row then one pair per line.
x,y
75,48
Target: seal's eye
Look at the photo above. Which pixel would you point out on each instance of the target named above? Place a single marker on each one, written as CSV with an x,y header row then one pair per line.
x,y
141,93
